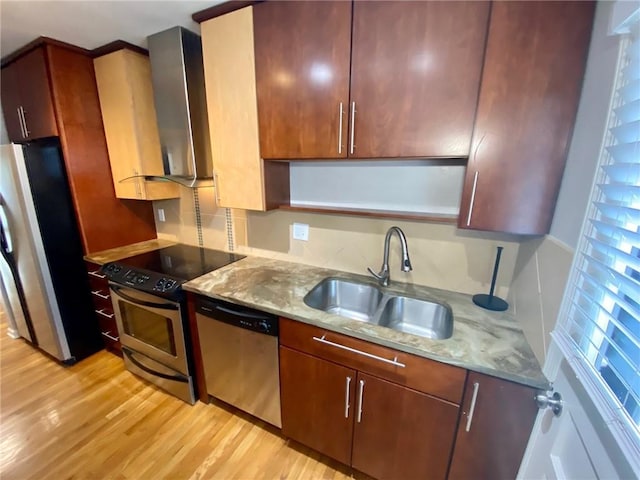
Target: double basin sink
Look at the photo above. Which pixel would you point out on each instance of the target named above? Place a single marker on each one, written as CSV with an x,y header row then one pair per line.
x,y
367,303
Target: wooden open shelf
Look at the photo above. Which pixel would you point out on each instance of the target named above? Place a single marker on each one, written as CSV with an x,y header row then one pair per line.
x,y
427,217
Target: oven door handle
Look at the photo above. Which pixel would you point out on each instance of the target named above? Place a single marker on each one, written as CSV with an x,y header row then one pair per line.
x,y
137,301
137,363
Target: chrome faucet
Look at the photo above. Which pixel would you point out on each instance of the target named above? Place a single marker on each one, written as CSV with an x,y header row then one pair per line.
x,y
383,275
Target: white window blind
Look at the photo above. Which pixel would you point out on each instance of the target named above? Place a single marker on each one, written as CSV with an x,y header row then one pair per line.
x,y
601,324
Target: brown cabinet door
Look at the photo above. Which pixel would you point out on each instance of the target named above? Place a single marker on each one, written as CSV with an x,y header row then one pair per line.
x,y
35,96
10,85
494,430
302,78
318,401
533,70
415,77
401,433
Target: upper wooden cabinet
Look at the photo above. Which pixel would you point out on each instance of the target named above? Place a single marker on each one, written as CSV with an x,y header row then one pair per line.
x,y
60,79
494,428
129,116
302,71
534,65
243,179
410,91
26,98
415,76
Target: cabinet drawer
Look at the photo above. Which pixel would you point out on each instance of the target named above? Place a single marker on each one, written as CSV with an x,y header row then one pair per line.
x,y
428,376
109,331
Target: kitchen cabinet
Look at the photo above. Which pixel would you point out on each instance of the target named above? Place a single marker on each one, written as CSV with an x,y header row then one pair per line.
x,y
129,116
27,100
494,428
388,414
410,91
415,76
302,55
317,399
243,180
68,74
399,432
534,65
103,307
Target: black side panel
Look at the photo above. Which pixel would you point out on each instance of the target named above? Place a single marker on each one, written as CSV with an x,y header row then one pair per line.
x,y
62,245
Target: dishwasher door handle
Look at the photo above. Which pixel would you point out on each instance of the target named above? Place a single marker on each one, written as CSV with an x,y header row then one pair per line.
x,y
237,313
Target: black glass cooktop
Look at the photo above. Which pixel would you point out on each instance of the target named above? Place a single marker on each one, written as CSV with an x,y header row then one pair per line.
x,y
183,262
162,272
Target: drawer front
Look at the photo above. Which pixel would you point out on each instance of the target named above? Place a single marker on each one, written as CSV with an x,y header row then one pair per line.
x,y
428,376
109,332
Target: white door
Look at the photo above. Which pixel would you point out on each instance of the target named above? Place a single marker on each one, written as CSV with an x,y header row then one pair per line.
x,y
577,444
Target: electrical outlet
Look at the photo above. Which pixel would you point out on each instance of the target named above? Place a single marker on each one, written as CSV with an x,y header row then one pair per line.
x,y
161,216
301,231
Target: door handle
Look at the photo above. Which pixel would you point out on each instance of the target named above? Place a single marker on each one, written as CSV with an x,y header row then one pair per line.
x,y
473,198
20,121
24,122
340,113
353,128
361,393
472,407
347,393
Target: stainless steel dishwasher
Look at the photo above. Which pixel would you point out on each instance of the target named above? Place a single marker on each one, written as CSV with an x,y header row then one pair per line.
x,y
240,355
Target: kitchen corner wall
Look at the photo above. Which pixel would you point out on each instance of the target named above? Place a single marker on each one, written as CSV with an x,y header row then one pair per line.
x,y
539,281
180,219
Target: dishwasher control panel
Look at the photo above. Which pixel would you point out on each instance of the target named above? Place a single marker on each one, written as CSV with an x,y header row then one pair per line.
x,y
238,315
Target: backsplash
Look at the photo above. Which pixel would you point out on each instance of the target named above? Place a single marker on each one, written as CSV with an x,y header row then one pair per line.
x,y
442,256
539,280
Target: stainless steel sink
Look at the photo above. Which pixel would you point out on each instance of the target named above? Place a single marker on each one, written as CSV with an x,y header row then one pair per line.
x,y
367,303
357,301
418,317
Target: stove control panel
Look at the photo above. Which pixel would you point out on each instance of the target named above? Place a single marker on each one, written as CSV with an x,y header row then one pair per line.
x,y
144,280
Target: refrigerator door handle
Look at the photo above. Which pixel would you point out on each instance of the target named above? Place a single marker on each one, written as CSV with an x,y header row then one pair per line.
x,y
4,221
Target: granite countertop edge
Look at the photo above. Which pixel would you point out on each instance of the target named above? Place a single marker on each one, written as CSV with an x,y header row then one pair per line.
x,y
223,285
125,251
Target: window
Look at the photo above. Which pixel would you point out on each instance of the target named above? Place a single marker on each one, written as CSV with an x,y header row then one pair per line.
x,y
601,325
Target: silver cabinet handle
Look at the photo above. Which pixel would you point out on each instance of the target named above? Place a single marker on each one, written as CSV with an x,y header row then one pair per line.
x,y
473,198
472,407
353,128
340,113
103,313
96,273
24,122
98,294
359,352
19,111
346,398
106,334
216,187
360,394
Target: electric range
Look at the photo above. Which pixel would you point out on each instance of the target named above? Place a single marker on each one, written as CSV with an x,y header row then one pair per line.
x,y
151,312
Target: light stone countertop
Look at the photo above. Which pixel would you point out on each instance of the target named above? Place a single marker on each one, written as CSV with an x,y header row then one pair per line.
x,y
482,341
117,253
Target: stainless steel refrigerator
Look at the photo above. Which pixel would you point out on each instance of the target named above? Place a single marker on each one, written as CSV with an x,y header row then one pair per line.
x,y
41,255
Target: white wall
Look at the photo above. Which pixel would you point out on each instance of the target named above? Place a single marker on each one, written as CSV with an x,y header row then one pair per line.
x,y
543,265
591,123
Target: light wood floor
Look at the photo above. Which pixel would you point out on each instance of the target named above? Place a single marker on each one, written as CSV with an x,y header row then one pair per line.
x,y
95,420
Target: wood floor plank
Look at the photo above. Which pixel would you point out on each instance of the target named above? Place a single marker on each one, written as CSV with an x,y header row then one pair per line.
x,y
95,420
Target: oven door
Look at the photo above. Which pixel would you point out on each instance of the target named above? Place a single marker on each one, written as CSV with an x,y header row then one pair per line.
x,y
150,325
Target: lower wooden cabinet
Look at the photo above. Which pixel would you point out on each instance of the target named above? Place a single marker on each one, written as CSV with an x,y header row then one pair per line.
x,y
317,403
401,433
494,428
392,415
379,426
104,308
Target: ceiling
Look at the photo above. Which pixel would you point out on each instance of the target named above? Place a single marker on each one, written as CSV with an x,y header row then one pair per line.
x,y
92,23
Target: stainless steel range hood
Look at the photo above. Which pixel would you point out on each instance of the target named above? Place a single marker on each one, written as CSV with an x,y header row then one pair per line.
x,y
178,89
